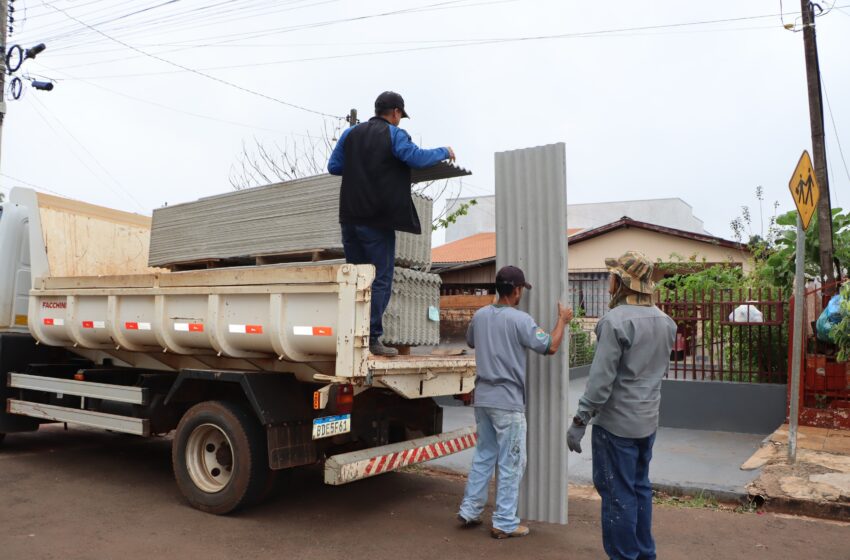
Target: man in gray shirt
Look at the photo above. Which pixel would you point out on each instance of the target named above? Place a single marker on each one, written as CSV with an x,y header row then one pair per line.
x,y
501,336
623,396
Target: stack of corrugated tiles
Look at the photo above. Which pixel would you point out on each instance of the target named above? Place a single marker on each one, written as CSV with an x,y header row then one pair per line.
x,y
413,314
301,217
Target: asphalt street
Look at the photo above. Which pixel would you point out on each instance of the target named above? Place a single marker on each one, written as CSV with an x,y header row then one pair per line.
x,y
85,494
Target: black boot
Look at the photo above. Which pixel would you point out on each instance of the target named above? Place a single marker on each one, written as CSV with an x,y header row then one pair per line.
x,y
378,349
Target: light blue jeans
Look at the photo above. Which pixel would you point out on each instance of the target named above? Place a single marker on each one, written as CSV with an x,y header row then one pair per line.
x,y
501,439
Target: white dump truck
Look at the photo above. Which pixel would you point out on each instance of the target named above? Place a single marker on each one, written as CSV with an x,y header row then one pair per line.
x,y
255,369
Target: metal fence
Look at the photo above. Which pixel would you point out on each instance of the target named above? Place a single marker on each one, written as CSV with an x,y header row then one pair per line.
x,y
582,346
728,334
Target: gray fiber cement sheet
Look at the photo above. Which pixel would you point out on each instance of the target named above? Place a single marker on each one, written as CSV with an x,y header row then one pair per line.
x,y
531,233
412,317
289,217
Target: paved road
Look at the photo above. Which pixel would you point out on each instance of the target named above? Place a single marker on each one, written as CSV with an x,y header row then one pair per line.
x,y
681,458
92,495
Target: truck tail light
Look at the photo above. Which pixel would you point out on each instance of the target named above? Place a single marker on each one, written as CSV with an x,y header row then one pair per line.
x,y
344,399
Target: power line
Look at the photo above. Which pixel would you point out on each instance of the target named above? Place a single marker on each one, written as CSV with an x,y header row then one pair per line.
x,y
835,130
177,20
199,73
74,153
218,38
29,184
175,109
433,45
489,41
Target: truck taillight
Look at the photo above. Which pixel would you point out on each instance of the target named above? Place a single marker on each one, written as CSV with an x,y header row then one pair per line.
x,y
344,399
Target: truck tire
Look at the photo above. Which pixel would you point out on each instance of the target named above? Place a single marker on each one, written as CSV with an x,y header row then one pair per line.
x,y
220,458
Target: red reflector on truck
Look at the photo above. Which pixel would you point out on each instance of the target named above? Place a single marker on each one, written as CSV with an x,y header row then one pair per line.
x,y
344,399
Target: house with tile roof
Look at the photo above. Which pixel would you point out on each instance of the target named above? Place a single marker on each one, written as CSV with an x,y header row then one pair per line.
x,y
468,266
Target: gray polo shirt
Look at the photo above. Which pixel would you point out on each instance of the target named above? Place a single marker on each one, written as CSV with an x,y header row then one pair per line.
x,y
501,335
632,356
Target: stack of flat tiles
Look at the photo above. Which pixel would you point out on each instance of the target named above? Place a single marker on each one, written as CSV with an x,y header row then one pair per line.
x,y
407,321
291,217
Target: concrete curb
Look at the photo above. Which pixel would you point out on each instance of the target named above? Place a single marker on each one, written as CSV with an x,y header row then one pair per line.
x,y
726,496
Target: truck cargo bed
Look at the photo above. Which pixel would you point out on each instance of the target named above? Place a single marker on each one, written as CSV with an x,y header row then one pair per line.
x,y
308,319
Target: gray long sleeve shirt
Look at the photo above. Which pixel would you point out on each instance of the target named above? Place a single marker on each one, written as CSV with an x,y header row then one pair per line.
x,y
623,390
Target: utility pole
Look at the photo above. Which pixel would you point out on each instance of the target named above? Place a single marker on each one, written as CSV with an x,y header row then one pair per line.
x,y
818,146
4,25
352,118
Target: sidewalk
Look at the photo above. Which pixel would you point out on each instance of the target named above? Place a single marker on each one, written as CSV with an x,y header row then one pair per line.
x,y
818,483
684,461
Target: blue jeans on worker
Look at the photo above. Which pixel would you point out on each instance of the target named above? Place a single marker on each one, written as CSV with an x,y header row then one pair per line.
x,y
621,476
501,439
368,245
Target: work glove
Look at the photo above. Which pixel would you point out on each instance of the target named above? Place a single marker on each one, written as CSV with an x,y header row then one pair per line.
x,y
574,435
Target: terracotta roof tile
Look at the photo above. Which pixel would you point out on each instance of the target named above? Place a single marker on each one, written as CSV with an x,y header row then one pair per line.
x,y
473,248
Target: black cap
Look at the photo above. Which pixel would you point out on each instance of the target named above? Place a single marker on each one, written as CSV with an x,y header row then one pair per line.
x,y
512,276
390,100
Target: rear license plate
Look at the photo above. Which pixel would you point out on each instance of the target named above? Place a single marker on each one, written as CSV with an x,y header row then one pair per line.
x,y
330,426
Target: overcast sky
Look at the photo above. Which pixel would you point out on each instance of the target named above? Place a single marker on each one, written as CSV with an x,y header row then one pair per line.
x,y
703,111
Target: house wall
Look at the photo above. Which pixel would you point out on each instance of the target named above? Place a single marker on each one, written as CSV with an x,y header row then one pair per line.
x,y
669,212
484,274
590,254
479,218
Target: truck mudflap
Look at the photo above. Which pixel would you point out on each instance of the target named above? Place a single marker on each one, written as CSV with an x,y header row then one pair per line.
x,y
348,467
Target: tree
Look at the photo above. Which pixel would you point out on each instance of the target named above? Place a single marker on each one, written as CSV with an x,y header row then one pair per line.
x,y
779,267
762,242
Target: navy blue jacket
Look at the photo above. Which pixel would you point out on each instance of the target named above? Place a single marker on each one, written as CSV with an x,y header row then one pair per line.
x,y
374,159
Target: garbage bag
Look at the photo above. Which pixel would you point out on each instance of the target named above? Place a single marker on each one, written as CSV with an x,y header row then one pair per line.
x,y
830,317
746,314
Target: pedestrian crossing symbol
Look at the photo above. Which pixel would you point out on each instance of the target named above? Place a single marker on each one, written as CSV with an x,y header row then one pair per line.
x,y
804,188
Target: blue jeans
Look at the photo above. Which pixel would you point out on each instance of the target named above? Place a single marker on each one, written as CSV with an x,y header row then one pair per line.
x,y
501,439
367,245
621,476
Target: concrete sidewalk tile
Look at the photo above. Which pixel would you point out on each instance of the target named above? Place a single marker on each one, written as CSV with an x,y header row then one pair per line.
x,y
838,444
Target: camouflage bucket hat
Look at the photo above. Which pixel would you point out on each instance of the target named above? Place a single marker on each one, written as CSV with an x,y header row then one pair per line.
x,y
635,270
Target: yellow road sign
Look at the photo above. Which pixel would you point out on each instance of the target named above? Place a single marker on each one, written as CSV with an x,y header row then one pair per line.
x,y
804,188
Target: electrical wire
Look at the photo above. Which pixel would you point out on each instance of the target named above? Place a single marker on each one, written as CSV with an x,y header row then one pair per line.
x,y
174,109
228,38
29,184
176,21
81,145
200,73
473,43
835,131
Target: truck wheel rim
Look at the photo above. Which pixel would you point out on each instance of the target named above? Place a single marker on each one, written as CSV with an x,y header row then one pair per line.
x,y
209,458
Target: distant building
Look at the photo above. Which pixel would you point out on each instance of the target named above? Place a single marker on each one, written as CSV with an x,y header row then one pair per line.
x,y
468,266
669,212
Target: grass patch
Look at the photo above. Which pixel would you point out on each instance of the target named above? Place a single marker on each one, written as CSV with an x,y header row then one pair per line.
x,y
703,500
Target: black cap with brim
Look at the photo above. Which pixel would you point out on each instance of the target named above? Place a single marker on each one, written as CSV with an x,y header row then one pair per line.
x,y
512,276
391,100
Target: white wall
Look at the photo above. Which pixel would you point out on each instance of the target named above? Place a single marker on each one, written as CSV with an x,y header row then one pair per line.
x,y
668,212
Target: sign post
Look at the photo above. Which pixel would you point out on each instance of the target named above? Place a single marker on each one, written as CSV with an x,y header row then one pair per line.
x,y
804,189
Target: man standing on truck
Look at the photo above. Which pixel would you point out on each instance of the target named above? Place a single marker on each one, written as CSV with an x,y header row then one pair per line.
x,y
374,159
501,334
623,396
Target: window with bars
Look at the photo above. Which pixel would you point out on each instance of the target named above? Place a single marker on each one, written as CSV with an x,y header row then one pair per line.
x,y
589,292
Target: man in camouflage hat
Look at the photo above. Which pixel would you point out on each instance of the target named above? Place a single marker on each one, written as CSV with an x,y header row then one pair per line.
x,y
623,394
